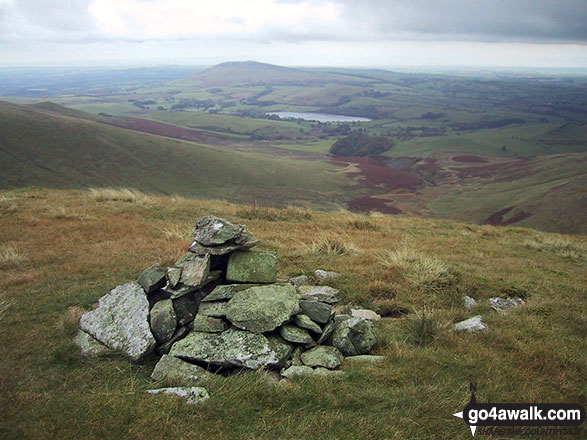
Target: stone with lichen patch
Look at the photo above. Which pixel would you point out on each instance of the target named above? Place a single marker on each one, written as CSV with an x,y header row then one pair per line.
x,y
252,267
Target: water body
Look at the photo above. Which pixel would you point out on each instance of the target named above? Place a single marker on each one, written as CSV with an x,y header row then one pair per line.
x,y
320,117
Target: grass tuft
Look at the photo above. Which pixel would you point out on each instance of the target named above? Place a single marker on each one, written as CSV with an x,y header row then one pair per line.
x,y
359,223
423,327
331,244
177,231
561,246
69,321
417,268
10,255
5,305
291,213
129,195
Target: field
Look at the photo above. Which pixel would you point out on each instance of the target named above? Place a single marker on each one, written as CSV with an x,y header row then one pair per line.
x,y
63,249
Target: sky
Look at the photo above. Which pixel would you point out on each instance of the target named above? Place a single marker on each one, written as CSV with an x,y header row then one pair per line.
x,y
368,33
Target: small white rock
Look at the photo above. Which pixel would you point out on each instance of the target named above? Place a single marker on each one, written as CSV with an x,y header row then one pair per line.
x,y
192,395
366,314
504,305
469,302
323,275
471,325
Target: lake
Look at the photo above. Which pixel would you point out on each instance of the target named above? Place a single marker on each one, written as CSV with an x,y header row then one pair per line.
x,y
320,117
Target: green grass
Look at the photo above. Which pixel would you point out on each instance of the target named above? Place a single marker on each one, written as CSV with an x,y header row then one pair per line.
x,y
47,390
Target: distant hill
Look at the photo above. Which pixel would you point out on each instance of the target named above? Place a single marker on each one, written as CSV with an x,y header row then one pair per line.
x,y
255,73
44,148
361,144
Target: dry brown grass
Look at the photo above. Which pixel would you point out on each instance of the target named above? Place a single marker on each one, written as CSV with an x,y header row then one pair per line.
x,y
69,322
177,232
559,245
332,244
5,305
290,213
129,195
10,255
418,268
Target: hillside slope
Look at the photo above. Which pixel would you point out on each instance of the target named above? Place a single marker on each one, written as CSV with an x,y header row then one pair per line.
x,y
43,148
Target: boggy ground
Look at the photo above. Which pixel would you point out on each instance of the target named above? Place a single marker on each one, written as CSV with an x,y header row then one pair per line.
x,y
60,250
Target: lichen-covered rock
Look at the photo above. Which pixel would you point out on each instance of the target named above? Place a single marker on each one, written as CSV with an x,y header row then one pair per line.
x,y
179,290
191,395
263,308
173,276
179,334
365,313
252,267
471,325
354,336
297,370
300,280
317,311
292,333
364,358
324,275
304,321
186,308
216,309
322,356
152,278
195,270
321,371
233,348
178,372
121,321
163,320
324,294
208,324
90,347
504,305
217,236
226,291
327,332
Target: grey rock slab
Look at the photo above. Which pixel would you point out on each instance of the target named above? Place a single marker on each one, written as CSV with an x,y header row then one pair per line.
x,y
354,336
471,325
179,290
152,278
297,370
186,308
367,358
469,302
365,313
317,311
191,395
217,236
179,334
323,356
324,294
163,320
327,332
504,305
292,333
324,275
195,271
304,321
252,267
208,324
121,321
178,372
321,371
173,276
263,308
233,348
300,280
90,347
226,291
216,309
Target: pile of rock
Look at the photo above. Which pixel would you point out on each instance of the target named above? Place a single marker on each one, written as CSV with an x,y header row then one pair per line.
x,y
500,305
221,307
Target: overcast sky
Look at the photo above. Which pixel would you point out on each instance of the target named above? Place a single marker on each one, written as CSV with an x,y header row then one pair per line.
x,y
383,33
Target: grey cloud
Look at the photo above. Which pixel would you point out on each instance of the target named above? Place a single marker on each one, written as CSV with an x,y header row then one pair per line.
x,y
480,20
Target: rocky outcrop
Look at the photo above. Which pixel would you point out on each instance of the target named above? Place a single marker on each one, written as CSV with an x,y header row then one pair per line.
x,y
354,336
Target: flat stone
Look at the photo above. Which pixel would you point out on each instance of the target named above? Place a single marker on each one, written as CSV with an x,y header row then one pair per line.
x,y
178,372
317,311
179,291
292,333
365,313
186,308
300,280
173,276
340,317
322,356
263,308
179,334
90,347
324,275
226,291
504,305
471,325
297,370
327,332
321,371
324,294
367,358
121,321
217,309
354,336
304,321
252,267
233,348
152,278
163,320
195,271
208,324
217,236
191,395
469,302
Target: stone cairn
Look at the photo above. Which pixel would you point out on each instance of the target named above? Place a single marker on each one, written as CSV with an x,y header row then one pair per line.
x,y
221,307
